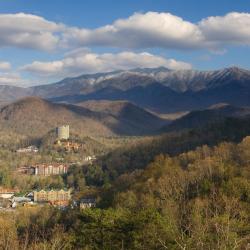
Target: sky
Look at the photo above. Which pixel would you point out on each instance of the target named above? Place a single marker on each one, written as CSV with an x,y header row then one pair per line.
x,y
45,41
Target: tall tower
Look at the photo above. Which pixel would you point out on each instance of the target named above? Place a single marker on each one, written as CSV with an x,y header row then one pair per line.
x,y
63,132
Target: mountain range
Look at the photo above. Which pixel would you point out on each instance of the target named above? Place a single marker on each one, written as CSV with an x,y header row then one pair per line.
x,y
159,89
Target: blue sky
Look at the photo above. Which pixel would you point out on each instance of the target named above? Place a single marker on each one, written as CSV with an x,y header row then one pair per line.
x,y
59,38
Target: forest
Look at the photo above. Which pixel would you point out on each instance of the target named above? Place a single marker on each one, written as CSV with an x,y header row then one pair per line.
x,y
196,199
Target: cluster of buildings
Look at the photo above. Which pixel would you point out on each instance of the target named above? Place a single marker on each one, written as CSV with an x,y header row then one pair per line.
x,y
54,197
68,145
9,198
50,169
44,169
61,198
62,133
62,141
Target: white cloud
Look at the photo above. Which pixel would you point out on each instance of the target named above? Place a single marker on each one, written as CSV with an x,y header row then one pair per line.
x,y
151,29
28,31
140,30
4,66
164,30
233,28
13,78
88,62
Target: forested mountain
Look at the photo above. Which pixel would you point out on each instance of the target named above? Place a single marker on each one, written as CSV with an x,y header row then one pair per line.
x,y
194,200
127,159
33,116
200,118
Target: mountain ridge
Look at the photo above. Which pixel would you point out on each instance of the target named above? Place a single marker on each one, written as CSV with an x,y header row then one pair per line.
x,y
158,89
200,118
33,116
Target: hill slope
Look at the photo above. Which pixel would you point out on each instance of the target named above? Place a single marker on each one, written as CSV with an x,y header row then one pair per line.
x,y
121,109
35,117
124,160
201,118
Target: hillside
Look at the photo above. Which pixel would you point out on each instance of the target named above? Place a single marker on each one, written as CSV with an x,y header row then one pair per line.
x,y
35,117
200,118
202,194
128,159
124,110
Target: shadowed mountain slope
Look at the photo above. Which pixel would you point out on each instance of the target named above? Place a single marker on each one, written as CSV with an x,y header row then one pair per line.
x,y
35,117
200,118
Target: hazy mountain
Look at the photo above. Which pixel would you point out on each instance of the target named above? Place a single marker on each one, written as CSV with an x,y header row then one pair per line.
x,y
10,93
177,80
35,117
214,114
160,89
86,84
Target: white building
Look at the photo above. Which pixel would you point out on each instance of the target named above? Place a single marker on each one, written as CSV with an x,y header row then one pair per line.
x,y
62,132
29,149
87,203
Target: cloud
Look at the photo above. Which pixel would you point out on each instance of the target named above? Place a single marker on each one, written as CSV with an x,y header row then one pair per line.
x,y
164,30
12,78
147,30
87,62
233,28
4,66
29,31
139,31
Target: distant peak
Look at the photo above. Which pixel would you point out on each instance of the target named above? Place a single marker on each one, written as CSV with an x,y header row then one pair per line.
x,y
30,100
150,70
219,106
235,69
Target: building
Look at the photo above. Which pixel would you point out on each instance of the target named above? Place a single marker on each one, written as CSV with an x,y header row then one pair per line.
x,y
55,197
49,169
29,149
87,203
20,201
62,132
7,193
25,170
69,145
90,158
